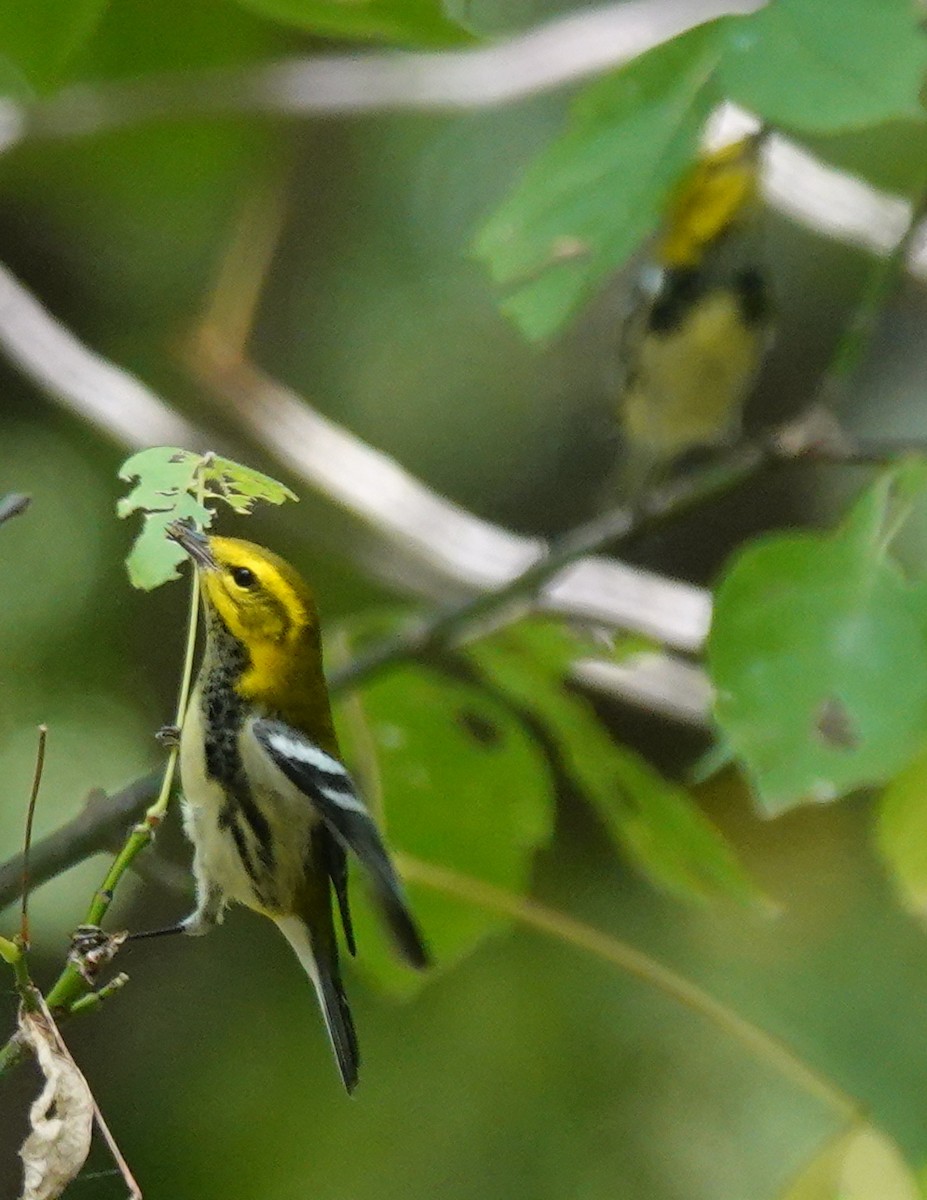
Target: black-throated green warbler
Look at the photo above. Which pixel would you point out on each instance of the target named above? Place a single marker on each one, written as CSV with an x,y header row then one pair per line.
x,y
699,321
269,806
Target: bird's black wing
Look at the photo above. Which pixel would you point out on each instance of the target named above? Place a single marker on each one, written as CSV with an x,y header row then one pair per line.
x,y
327,785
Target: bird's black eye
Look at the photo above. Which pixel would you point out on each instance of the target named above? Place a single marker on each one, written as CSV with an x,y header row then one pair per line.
x,y
243,576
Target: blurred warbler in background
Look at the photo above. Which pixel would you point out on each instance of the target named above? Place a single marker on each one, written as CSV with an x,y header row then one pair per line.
x,y
270,808
699,320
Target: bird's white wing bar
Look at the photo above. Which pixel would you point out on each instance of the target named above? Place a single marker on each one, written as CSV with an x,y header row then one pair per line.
x,y
326,784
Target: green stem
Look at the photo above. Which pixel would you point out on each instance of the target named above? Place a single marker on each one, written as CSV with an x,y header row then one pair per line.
x,y
762,1045
24,984
71,985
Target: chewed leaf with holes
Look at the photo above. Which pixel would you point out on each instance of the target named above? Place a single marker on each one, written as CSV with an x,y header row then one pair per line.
x,y
241,487
458,785
652,821
818,654
172,484
165,478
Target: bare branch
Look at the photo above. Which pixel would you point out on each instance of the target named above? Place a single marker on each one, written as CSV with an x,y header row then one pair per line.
x,y
88,384
433,534
92,831
659,683
428,528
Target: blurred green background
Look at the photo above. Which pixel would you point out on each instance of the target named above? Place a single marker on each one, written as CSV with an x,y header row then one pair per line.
x,y
529,1071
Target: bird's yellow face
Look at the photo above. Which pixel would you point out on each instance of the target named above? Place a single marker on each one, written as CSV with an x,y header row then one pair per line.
x,y
270,611
258,596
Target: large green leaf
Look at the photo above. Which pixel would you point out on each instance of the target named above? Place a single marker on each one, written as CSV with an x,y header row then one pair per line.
x,y
818,654
863,1164
653,821
586,202
827,66
409,22
39,36
461,785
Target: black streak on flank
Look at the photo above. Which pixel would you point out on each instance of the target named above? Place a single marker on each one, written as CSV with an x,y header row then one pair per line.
x,y
223,716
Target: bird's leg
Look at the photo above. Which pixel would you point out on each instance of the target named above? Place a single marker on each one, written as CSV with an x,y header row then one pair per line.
x,y
208,912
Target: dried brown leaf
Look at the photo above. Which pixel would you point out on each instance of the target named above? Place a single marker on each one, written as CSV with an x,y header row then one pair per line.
x,y
61,1119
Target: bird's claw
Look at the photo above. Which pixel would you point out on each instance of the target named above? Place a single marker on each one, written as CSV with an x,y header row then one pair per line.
x,y
169,736
92,949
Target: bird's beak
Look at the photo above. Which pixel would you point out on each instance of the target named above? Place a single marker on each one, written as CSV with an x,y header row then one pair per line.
x,y
195,543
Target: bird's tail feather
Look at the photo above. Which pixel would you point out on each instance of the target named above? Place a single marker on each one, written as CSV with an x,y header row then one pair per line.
x,y
395,910
321,965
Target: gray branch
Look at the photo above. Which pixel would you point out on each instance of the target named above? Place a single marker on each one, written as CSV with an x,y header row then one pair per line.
x,y
100,826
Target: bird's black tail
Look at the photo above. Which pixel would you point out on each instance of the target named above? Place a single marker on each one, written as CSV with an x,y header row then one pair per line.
x,y
321,965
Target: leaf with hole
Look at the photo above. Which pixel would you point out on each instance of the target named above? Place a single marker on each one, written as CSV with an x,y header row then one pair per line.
x,y
818,654
455,781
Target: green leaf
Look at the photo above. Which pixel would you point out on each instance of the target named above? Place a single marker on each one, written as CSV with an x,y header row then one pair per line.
x,y
863,1164
241,487
168,487
586,202
162,472
462,785
154,558
40,36
408,22
818,654
827,66
654,822
901,833
165,477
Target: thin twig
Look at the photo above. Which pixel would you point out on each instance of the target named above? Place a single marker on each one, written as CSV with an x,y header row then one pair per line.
x,y
70,985
92,831
89,832
27,840
502,606
762,1045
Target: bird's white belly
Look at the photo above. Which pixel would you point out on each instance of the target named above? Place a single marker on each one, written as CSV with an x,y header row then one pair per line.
x,y
287,812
